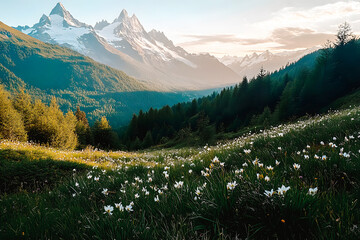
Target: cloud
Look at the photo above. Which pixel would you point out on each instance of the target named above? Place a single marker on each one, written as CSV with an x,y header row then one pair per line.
x,y
225,38
291,38
280,38
287,29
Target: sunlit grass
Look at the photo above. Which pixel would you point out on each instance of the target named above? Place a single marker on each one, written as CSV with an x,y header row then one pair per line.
x,y
293,181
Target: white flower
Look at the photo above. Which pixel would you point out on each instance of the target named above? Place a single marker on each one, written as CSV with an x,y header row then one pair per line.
x,y
306,156
312,191
96,178
129,208
277,162
156,199
147,193
137,195
215,160
269,193
178,184
231,185
198,192
316,156
323,157
283,190
166,168
296,166
190,171
76,184
108,209
119,206
322,143
279,148
267,178
244,164
269,168
105,191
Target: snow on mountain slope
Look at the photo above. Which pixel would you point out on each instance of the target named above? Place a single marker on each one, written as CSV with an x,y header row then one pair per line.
x,y
250,65
125,44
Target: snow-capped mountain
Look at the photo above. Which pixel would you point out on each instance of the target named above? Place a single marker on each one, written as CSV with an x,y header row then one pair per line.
x,y
124,44
250,65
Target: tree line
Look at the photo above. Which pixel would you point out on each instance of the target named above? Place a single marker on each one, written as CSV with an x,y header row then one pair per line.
x,y
25,119
263,101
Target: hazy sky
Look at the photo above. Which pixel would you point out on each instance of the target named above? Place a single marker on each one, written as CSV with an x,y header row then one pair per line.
x,y
220,27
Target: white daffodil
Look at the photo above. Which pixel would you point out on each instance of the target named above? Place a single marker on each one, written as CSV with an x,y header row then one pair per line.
x,y
108,209
129,208
156,199
231,185
282,190
247,151
269,193
312,191
105,191
119,206
269,168
267,178
178,184
296,166
215,160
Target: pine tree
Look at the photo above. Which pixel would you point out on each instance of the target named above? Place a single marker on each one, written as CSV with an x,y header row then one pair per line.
x,y
11,124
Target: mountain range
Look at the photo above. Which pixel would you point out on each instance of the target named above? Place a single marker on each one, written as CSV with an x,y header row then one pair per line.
x,y
124,44
250,65
48,70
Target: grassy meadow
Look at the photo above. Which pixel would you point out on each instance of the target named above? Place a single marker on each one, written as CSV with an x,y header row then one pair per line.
x,y
294,181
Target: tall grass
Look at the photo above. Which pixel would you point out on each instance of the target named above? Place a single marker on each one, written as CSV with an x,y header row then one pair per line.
x,y
209,193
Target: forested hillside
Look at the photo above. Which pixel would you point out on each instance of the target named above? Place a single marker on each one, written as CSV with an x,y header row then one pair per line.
x,y
47,70
305,87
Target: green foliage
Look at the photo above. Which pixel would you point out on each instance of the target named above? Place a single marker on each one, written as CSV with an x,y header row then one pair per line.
x,y
58,202
11,123
83,130
306,87
104,136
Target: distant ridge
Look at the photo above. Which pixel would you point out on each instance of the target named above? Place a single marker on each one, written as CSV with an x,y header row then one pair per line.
x,y
124,44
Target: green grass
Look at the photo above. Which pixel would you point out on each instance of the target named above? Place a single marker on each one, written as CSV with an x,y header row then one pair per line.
x,y
72,206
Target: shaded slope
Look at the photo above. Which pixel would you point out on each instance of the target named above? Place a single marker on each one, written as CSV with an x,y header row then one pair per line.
x,y
47,66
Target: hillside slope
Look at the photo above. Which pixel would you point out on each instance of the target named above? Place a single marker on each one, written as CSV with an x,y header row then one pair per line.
x,y
46,66
293,181
124,44
47,70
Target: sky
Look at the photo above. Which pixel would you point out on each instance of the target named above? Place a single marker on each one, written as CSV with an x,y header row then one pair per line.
x,y
219,27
